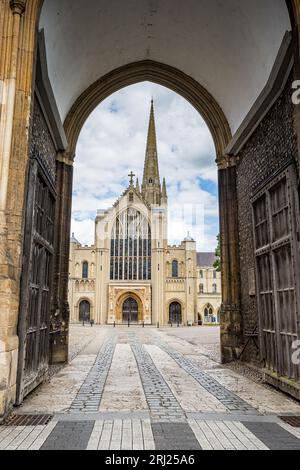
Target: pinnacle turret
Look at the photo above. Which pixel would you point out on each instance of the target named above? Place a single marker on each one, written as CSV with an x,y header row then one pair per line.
x,y
164,189
137,186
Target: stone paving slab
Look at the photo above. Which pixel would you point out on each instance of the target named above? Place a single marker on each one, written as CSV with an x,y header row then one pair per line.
x,y
174,436
274,436
69,435
121,434
58,394
126,394
102,416
234,417
142,434
135,389
264,400
188,392
230,400
201,345
162,403
90,394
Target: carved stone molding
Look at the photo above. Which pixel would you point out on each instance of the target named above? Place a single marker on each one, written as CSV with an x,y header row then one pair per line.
x,y
227,161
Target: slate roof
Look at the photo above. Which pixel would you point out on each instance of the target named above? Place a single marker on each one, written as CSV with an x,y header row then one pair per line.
x,y
206,259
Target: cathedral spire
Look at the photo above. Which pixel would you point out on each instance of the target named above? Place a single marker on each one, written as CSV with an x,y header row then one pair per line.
x,y
151,181
137,187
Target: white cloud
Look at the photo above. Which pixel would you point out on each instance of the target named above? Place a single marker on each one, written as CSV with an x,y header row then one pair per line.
x,y
113,142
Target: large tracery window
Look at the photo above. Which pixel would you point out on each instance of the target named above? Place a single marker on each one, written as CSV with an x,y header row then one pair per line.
x,y
130,258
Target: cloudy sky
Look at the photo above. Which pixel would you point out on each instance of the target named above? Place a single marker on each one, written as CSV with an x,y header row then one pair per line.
x,y
113,142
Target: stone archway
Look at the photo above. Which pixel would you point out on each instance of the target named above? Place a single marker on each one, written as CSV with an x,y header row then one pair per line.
x,y
160,74
195,94
19,22
210,110
130,307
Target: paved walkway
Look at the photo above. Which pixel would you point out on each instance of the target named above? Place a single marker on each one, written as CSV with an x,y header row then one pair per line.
x,y
135,388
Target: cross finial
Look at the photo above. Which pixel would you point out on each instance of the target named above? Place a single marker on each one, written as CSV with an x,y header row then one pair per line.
x,y
131,176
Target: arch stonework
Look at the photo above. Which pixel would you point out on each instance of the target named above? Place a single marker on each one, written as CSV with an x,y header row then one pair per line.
x,y
119,305
178,302
77,306
182,304
18,35
161,74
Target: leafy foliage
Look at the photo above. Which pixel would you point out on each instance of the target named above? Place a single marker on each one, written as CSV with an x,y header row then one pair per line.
x,y
217,264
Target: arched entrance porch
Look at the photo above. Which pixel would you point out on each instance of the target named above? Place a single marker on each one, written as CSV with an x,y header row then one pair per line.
x,y
129,309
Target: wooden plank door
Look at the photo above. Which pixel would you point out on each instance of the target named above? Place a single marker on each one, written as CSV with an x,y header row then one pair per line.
x,y
276,218
36,281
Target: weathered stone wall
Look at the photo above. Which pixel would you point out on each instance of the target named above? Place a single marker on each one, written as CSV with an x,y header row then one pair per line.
x,y
17,52
270,147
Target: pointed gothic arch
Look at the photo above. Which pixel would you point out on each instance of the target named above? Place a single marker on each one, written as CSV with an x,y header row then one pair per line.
x,y
160,74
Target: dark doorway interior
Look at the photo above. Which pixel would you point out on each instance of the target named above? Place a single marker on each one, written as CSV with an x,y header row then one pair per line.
x,y
130,311
175,313
84,311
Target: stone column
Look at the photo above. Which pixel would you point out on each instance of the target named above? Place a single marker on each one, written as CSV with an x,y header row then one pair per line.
x,y
60,314
158,276
231,322
8,100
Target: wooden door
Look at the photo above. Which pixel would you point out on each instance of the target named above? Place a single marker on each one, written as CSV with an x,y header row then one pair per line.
x,y
36,281
130,311
276,234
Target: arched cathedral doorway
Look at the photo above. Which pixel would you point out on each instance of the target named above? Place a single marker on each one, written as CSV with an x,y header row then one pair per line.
x,y
175,313
130,311
84,311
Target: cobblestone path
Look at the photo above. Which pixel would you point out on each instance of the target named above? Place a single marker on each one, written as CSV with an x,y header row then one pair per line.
x,y
135,388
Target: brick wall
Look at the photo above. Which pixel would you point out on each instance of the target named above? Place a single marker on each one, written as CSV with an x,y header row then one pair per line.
x,y
270,147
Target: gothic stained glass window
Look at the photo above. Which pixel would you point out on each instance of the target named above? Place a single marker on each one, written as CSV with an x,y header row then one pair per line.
x,y
130,247
175,268
85,270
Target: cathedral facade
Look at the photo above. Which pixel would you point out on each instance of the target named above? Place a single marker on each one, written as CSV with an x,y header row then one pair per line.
x,y
131,274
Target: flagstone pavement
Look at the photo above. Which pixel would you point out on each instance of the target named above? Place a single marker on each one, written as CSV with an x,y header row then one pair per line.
x,y
154,389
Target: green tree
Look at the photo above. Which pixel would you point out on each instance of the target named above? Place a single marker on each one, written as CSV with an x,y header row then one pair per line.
x,y
217,264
